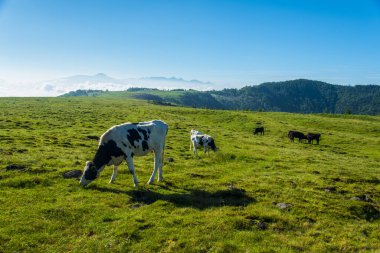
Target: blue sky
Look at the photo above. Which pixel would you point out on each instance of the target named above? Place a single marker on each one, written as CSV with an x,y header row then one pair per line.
x,y
234,43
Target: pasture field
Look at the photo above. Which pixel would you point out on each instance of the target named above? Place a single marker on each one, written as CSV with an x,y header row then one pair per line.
x,y
257,194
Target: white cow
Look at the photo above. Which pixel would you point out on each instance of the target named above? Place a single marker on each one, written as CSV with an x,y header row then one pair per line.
x,y
197,139
123,142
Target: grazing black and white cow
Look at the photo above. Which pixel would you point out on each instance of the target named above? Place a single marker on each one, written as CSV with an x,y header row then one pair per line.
x,y
311,137
123,142
296,134
258,130
201,140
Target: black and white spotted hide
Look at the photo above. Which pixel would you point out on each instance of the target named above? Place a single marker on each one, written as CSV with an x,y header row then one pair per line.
x,y
202,140
123,142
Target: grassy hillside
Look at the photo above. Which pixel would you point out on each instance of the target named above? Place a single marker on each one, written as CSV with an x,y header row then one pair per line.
x,y
189,98
258,194
298,96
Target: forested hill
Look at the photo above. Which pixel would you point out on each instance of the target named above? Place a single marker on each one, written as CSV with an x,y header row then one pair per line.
x,y
304,96
300,96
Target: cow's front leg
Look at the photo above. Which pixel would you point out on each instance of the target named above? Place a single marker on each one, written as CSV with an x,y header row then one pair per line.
x,y
195,153
113,177
194,147
132,170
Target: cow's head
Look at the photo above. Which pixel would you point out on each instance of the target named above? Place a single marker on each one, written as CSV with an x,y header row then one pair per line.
x,y
212,145
194,132
90,173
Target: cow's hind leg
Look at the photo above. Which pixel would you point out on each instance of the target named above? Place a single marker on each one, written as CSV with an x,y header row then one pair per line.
x,y
113,177
160,172
157,162
132,170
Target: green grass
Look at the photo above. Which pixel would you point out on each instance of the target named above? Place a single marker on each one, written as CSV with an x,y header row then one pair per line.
x,y
221,202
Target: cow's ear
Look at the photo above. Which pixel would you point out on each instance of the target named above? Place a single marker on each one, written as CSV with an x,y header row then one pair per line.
x,y
88,163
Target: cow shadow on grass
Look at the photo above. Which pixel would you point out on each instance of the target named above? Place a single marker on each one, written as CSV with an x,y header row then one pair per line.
x,y
194,198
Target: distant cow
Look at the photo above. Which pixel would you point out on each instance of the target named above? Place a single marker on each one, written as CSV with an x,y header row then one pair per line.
x,y
311,137
123,142
296,134
258,130
201,140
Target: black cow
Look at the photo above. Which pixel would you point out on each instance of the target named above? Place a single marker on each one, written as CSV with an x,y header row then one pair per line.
x,y
311,137
296,134
258,130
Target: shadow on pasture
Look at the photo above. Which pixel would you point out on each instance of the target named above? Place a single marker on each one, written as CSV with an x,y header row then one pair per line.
x,y
194,198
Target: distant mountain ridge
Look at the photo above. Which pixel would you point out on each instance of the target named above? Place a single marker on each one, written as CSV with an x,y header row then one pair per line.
x,y
174,79
298,96
102,81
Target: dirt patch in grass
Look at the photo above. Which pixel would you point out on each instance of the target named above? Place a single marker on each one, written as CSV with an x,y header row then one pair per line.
x,y
195,175
72,174
16,167
21,151
367,212
92,137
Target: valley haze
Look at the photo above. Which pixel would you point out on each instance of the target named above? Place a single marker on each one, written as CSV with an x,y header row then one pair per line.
x,y
100,81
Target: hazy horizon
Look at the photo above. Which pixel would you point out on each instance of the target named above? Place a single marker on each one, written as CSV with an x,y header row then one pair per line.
x,y
101,81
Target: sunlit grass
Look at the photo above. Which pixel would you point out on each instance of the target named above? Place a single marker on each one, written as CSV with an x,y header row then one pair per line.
x,y
221,202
